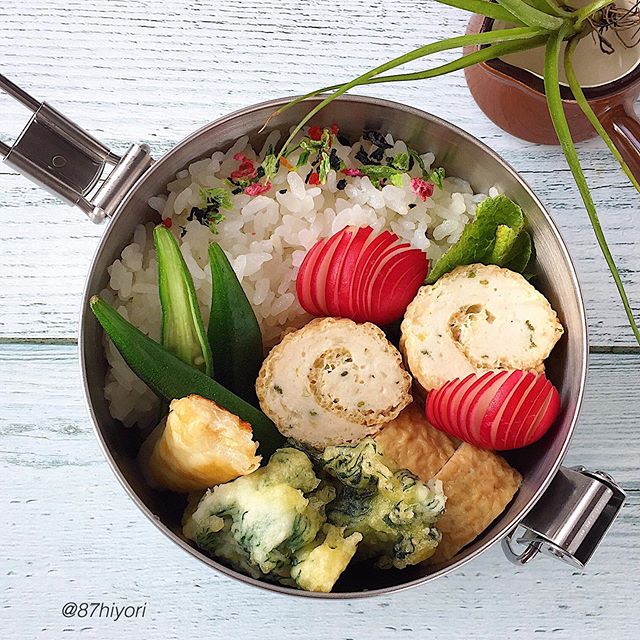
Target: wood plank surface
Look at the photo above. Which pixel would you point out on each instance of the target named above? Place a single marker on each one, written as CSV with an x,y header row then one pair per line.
x,y
155,71
70,533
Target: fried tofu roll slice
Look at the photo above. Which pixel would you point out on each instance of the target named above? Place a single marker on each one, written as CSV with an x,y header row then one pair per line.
x,y
414,444
479,484
477,318
333,381
199,445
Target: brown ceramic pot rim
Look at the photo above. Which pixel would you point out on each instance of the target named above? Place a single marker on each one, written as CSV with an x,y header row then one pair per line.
x,y
532,81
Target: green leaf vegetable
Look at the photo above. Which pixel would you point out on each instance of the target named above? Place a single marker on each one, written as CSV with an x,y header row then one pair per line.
x,y
183,332
170,378
234,332
537,22
495,236
213,201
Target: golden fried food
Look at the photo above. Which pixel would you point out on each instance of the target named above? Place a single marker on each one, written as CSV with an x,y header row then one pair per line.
x,y
412,443
478,484
200,445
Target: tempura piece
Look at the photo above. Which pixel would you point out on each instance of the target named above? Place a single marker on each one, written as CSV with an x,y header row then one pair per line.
x,y
200,445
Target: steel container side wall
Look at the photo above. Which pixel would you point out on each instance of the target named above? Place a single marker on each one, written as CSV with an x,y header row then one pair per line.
x,y
461,155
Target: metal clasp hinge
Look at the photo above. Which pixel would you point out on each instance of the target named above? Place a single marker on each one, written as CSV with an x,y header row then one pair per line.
x,y
61,157
570,520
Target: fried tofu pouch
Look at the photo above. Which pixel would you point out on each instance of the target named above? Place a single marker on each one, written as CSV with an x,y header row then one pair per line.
x,y
414,444
478,484
200,445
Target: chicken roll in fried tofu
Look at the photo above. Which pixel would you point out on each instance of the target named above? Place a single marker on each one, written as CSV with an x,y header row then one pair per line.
x,y
477,318
333,381
198,446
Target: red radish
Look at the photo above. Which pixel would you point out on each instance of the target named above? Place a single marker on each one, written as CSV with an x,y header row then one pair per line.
x,y
366,275
361,275
319,274
303,281
375,244
482,384
408,267
497,410
360,241
372,278
334,270
480,404
511,405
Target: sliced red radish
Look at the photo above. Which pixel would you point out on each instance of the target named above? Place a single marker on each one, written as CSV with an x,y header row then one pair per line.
x,y
334,270
531,408
345,283
483,383
303,281
498,403
516,408
413,266
361,275
498,410
376,273
319,274
456,398
480,405
545,417
510,408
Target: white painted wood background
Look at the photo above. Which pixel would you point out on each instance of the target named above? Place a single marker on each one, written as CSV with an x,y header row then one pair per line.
x,y
152,72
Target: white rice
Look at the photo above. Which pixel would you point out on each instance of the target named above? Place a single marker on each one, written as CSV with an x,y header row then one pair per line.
x,y
266,238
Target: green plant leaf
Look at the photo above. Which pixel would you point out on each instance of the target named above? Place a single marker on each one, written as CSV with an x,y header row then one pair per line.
x,y
550,6
483,8
584,13
481,55
531,16
580,98
554,102
503,35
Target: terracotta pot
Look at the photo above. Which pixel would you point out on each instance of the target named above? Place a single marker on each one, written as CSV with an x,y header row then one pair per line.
x,y
514,99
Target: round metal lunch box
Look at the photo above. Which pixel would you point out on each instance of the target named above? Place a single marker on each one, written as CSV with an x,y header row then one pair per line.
x,y
559,511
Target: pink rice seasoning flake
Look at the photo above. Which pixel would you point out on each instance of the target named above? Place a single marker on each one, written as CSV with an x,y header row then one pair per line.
x,y
246,170
423,188
353,173
257,188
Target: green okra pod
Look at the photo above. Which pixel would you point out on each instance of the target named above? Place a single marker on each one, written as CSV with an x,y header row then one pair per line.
x,y
234,332
183,331
170,378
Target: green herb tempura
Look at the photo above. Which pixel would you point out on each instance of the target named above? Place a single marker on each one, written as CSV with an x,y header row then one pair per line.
x,y
284,523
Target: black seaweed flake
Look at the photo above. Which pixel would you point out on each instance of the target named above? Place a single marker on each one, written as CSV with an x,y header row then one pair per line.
x,y
341,184
306,180
376,138
343,140
377,154
282,191
334,161
236,191
201,215
361,156
412,205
